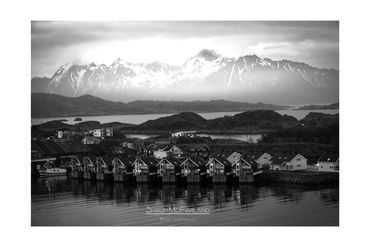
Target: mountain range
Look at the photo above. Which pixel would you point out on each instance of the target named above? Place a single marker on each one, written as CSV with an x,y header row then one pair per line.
x,y
205,76
53,105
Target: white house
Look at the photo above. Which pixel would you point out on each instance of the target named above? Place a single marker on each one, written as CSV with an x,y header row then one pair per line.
x,y
184,133
90,140
98,132
60,134
288,162
108,132
103,132
261,159
159,154
328,163
164,151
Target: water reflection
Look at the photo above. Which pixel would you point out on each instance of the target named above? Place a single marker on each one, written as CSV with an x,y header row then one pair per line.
x,y
227,203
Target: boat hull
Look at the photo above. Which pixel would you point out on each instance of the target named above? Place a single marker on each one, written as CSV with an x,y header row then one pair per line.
x,y
53,172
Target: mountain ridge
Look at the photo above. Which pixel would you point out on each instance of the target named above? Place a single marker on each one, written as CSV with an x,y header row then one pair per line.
x,y
203,76
52,105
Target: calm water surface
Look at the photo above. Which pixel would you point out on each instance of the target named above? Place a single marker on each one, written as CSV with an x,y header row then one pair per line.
x,y
75,203
138,119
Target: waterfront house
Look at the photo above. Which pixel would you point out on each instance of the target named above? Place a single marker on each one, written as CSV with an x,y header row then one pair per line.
x,y
89,167
243,169
88,140
328,163
167,169
193,168
104,168
217,168
262,159
288,162
144,167
122,168
77,167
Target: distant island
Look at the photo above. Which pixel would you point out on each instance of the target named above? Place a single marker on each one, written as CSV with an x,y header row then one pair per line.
x,y
259,121
318,107
52,105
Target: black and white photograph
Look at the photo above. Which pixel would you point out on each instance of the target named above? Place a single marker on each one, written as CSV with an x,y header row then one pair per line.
x,y
180,123
209,123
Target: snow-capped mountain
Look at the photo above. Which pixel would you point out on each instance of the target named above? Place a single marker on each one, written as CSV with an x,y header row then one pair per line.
x,y
206,74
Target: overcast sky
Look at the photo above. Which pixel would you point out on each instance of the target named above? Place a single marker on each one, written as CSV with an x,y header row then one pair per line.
x,y
56,43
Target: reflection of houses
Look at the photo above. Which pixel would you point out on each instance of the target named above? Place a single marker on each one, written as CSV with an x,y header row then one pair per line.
x,y
90,140
192,168
184,134
263,160
167,169
288,162
328,163
243,169
144,167
217,168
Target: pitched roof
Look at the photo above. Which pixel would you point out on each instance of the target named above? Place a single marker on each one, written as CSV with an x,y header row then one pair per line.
x,y
174,161
107,159
149,161
225,155
256,156
279,159
221,160
249,160
198,147
329,157
198,161
125,160
91,138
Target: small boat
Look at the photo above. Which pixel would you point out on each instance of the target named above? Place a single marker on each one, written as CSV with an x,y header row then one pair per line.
x,y
49,170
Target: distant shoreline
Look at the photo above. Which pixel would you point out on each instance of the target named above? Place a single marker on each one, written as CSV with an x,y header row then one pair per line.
x,y
334,106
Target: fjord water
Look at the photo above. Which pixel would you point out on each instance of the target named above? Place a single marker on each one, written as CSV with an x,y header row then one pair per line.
x,y
66,202
141,118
